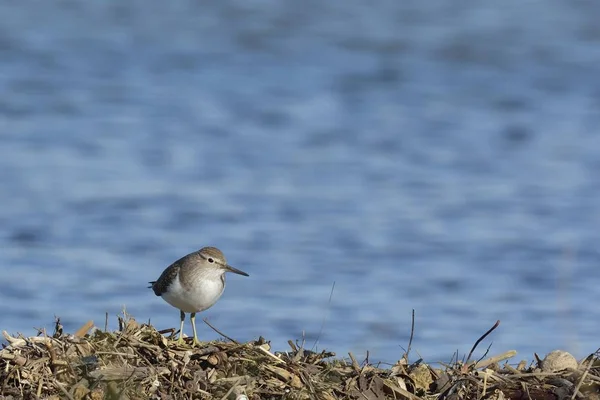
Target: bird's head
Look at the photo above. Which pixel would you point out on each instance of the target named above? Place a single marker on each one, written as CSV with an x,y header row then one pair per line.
x,y
215,257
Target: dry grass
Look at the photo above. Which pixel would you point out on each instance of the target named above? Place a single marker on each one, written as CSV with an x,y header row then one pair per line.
x,y
138,362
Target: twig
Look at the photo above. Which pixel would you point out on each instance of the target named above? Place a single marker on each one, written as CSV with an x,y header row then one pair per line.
x,y
219,332
231,389
481,338
531,374
512,369
267,352
17,359
293,346
62,389
485,378
324,317
526,389
14,342
206,350
303,340
58,328
484,354
354,363
492,360
412,332
115,353
40,386
587,369
401,391
592,377
81,332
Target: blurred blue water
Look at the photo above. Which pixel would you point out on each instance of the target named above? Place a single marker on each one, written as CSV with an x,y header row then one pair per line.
x,y
419,154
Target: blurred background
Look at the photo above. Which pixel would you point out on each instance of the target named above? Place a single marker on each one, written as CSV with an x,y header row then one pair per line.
x,y
436,156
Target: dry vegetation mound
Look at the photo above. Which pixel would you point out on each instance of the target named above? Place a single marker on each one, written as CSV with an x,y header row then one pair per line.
x,y
138,362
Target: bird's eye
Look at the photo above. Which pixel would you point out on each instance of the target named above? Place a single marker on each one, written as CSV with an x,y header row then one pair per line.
x,y
210,260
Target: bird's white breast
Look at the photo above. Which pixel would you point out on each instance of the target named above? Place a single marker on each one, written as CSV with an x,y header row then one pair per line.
x,y
199,297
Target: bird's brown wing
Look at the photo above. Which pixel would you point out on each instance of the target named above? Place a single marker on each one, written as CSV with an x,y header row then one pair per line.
x,y
166,278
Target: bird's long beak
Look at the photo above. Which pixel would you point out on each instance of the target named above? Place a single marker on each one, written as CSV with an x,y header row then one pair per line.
x,y
235,270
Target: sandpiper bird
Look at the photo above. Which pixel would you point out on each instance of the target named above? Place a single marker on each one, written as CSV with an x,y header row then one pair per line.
x,y
194,283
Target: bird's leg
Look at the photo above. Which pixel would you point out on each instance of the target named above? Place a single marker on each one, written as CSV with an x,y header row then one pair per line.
x,y
196,342
182,315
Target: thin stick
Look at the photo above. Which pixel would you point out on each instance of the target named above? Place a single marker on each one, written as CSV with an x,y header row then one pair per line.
x,y
354,363
39,390
273,356
587,369
412,334
219,332
495,359
81,332
62,389
293,346
485,377
324,317
481,338
231,389
484,354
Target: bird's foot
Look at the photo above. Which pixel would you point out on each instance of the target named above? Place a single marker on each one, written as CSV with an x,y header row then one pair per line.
x,y
196,343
